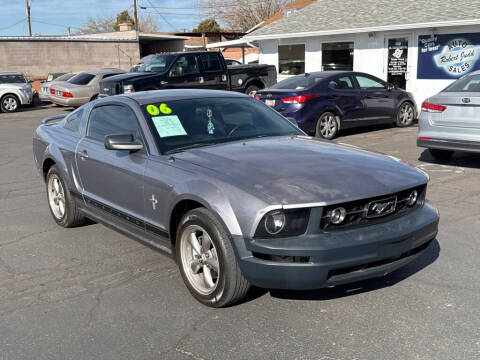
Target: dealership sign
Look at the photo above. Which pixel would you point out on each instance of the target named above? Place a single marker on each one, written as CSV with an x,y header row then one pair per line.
x,y
447,56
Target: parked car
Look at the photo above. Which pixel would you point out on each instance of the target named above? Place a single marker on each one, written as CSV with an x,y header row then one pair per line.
x,y
15,90
81,88
322,103
232,62
450,120
196,173
44,94
199,69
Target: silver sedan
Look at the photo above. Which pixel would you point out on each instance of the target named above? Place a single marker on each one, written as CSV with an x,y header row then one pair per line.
x,y
450,120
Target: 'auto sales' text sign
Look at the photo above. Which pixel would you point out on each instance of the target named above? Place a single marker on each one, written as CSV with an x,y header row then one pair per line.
x,y
447,56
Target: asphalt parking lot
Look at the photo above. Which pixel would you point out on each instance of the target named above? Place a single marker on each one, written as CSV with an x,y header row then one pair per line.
x,y
91,293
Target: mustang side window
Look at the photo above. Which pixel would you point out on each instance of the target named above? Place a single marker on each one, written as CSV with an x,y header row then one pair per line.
x,y
73,120
112,120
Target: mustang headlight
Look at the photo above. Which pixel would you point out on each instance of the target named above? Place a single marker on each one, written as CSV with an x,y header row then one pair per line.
x,y
282,223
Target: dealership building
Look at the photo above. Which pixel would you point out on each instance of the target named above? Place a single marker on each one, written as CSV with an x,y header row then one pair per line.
x,y
419,45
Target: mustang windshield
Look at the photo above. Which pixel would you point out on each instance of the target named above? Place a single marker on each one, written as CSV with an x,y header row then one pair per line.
x,y
182,124
159,63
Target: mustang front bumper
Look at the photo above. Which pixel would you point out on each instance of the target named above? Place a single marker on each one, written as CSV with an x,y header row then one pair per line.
x,y
338,256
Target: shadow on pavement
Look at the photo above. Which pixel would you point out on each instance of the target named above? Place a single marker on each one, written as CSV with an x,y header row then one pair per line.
x,y
428,257
459,158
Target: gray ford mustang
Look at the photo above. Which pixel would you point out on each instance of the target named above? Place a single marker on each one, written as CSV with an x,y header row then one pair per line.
x,y
236,193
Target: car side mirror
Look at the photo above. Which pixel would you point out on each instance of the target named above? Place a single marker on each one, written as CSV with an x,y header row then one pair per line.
x,y
122,142
390,87
30,81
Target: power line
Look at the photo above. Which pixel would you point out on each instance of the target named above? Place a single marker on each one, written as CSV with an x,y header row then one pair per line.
x,y
176,14
173,27
10,26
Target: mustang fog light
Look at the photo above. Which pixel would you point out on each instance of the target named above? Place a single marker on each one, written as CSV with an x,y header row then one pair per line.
x,y
412,198
274,222
337,215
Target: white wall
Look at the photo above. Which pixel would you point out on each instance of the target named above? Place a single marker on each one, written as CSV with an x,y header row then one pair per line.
x,y
370,55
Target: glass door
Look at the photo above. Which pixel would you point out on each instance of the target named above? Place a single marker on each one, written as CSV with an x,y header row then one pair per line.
x,y
398,61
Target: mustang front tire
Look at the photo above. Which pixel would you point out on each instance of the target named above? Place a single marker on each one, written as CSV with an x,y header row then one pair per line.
x,y
207,261
63,208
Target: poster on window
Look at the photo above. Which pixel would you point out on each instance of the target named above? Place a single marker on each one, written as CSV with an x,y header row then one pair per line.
x,y
397,56
448,56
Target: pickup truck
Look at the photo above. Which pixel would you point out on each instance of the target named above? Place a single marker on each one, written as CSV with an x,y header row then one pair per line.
x,y
199,69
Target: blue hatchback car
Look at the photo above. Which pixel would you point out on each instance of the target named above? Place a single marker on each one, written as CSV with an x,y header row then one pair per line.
x,y
322,103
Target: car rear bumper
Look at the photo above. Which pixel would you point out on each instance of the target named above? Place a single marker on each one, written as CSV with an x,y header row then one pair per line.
x,y
68,101
449,144
455,138
337,257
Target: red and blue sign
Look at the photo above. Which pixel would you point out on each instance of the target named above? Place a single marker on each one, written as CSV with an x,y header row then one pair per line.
x,y
448,56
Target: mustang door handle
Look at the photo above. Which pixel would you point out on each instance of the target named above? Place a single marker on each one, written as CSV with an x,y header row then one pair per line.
x,y
163,82
83,154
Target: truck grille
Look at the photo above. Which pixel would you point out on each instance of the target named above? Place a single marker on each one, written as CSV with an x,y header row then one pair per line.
x,y
373,210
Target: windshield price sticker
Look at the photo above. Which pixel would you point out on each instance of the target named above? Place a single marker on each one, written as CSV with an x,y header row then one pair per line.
x,y
168,126
154,110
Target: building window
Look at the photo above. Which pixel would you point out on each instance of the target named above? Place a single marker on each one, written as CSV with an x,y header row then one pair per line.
x,y
291,59
337,56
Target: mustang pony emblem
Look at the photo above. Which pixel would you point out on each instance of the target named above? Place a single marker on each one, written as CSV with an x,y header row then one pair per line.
x,y
381,207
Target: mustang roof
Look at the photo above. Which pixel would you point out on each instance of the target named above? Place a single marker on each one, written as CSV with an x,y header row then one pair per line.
x,y
148,97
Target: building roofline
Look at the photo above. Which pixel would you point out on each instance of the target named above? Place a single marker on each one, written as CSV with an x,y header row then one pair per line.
x,y
66,38
363,30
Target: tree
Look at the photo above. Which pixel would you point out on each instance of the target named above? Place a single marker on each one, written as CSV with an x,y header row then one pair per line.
x,y
98,25
123,17
207,25
147,24
242,14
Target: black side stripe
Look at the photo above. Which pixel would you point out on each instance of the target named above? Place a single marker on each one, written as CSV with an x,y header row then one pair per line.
x,y
130,219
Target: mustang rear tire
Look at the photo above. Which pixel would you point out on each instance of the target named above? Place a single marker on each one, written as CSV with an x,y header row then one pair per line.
x,y
441,154
327,126
405,115
10,103
62,207
207,261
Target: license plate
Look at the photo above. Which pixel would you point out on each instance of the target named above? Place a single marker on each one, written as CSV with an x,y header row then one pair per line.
x,y
270,102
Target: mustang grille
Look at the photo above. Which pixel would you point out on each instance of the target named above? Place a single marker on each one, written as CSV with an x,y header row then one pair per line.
x,y
361,212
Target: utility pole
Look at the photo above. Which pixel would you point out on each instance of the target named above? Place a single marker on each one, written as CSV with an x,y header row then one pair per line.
x,y
28,17
135,14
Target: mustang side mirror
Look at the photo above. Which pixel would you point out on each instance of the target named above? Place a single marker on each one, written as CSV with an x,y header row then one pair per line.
x,y
390,87
122,142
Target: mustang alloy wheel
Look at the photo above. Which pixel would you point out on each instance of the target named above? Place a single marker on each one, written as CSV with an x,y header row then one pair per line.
x,y
64,210
9,103
207,261
406,115
199,259
327,126
56,196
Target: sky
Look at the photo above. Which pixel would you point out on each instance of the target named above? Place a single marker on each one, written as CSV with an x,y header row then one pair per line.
x,y
52,17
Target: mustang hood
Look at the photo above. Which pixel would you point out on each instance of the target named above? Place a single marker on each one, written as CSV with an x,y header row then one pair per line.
x,y
297,170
